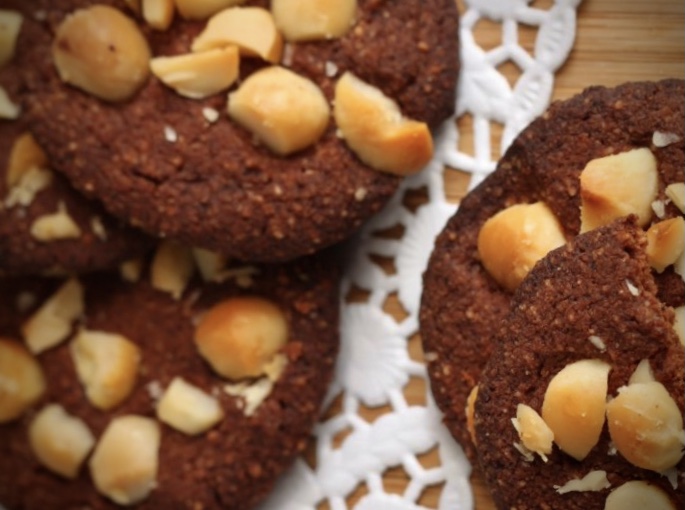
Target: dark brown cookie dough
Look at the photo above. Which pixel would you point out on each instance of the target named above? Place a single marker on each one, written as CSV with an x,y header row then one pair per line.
x,y
214,187
579,291
104,241
235,463
462,305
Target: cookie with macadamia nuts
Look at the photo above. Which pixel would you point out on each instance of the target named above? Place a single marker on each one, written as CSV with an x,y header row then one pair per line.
x,y
583,396
178,382
601,155
237,136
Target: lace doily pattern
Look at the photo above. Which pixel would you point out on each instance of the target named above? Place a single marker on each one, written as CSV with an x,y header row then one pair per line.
x,y
386,261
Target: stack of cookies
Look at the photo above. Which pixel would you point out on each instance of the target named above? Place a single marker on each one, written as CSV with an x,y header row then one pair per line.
x,y
174,177
553,308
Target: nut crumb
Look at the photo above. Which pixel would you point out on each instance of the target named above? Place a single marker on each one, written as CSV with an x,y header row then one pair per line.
x,y
210,114
154,389
430,357
659,208
98,228
632,288
525,452
662,139
594,481
170,134
360,194
597,342
331,69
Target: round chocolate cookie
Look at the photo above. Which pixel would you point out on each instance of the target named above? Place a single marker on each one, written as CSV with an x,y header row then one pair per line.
x,y
592,303
159,162
92,239
222,442
462,304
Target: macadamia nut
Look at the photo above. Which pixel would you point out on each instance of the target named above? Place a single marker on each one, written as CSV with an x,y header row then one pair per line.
x,y
25,155
10,26
676,192
22,381
471,412
189,409
172,268
534,433
638,495
304,20
665,243
159,14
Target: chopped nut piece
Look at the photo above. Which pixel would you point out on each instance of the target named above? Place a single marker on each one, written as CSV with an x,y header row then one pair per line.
x,y
172,268
124,464
189,409
534,433
10,25
198,75
25,155
56,226
170,134
574,406
304,20
8,110
679,324
282,109
514,239
131,270
60,441
638,495
646,426
210,263
107,365
597,342
52,322
210,114
661,139
158,13
642,373
98,228
253,394
615,186
676,192
31,182
21,380
471,412
665,243
202,9
101,51
374,128
594,481
251,29
240,336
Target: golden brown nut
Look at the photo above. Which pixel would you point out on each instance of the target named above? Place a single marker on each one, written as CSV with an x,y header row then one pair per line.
x,y
172,268
638,495
101,51
534,433
304,20
25,154
240,336
158,13
676,192
21,380
10,25
187,408
665,243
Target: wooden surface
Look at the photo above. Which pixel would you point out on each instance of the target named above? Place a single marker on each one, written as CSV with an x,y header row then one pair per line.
x,y
616,41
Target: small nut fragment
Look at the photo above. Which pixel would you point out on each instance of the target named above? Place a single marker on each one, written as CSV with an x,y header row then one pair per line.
x,y
131,270
471,412
8,110
55,226
646,426
202,9
638,495
10,25
615,186
574,406
643,373
665,243
124,464
514,239
282,109
52,322
187,408
240,336
60,441
679,324
198,75
534,433
172,268
676,192
106,364
158,13
374,128
211,264
101,51
303,20
25,155
594,481
664,139
251,29
31,182
253,393
21,380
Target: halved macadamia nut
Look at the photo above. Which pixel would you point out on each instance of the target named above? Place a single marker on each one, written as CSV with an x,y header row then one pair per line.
x,y
615,186
187,408
638,495
646,426
534,433
251,29
283,110
8,109
372,125
304,20
198,75
107,366
202,9
514,239
101,51
125,461
10,26
60,441
25,155
574,406
159,14
172,268
238,337
665,243
676,192
53,321
22,381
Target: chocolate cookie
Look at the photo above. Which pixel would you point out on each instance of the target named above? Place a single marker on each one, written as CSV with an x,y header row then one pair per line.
x,y
137,351
462,304
180,167
581,323
34,238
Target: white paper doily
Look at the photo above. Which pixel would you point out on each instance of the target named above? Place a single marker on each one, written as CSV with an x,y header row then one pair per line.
x,y
375,364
